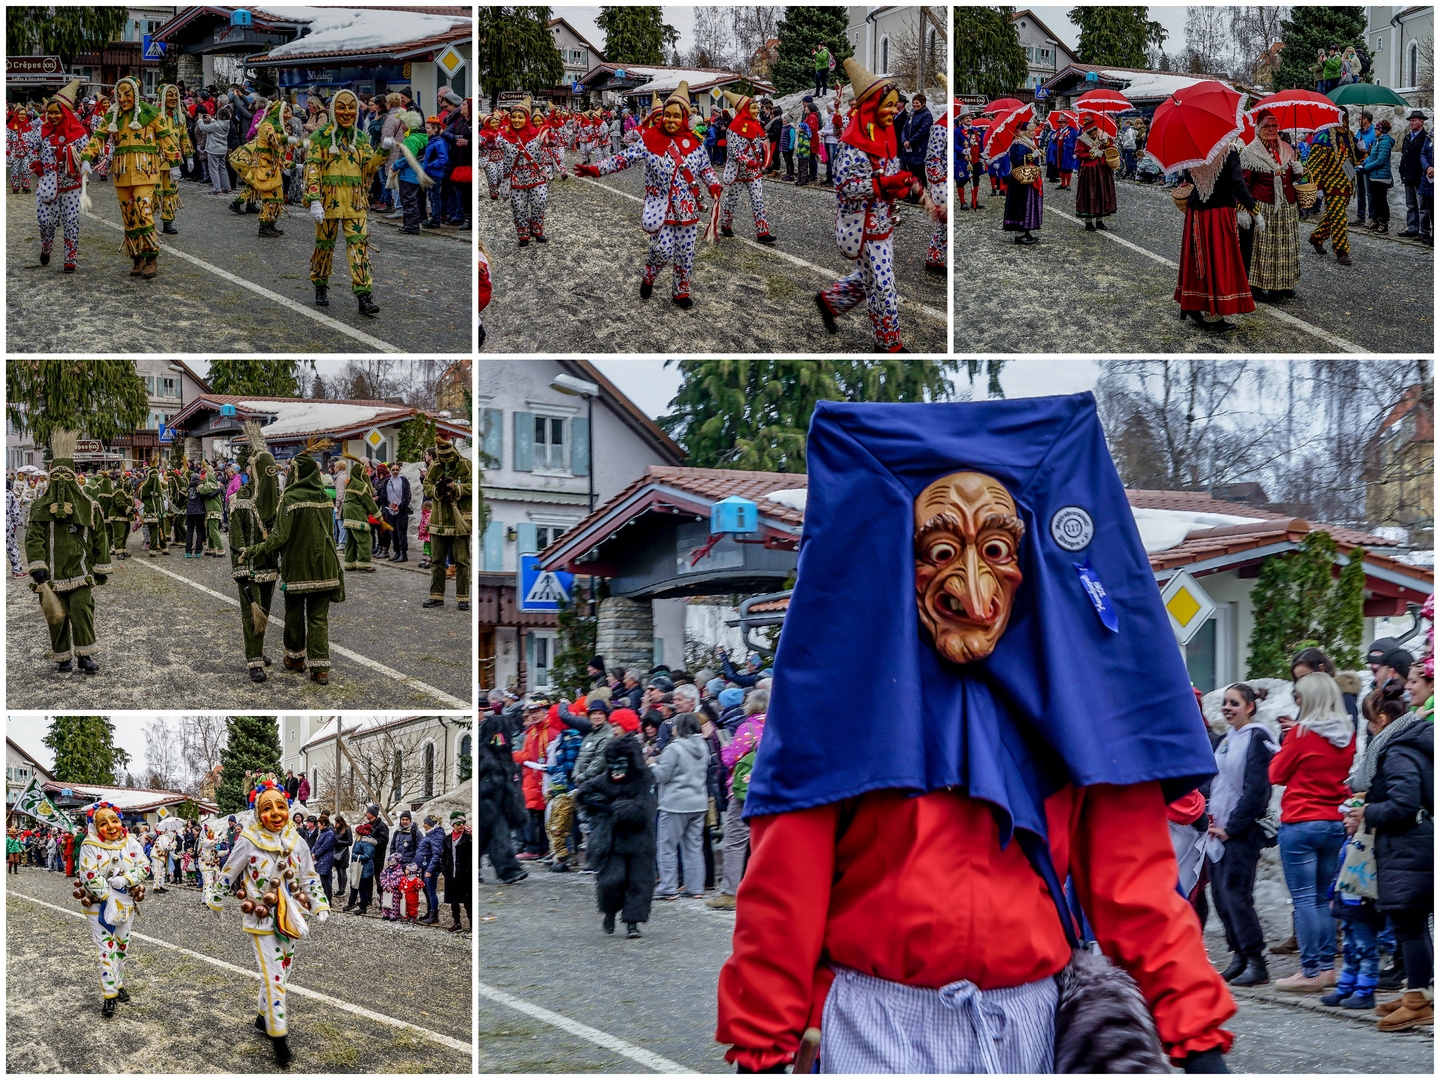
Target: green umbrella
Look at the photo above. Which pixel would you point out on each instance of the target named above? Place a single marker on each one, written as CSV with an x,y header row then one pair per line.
x,y
1366,94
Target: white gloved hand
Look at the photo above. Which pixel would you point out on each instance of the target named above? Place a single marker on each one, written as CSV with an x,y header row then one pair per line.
x,y
175,173
322,916
1259,223
85,168
317,212
118,882
387,143
1242,218
190,164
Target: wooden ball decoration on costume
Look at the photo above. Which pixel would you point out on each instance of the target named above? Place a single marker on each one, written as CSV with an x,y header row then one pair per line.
x,y
247,906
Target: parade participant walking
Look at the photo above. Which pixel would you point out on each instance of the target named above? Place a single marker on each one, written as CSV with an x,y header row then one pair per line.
x,y
525,172
747,154
338,170
110,885
57,167
101,490
143,149
1024,193
67,552
937,160
622,805
18,148
1270,170
1095,190
211,493
968,169
252,515
1066,158
310,572
868,180
120,513
272,873
492,150
183,148
358,513
675,165
209,861
152,494
1326,164
500,806
1212,281
448,485
261,164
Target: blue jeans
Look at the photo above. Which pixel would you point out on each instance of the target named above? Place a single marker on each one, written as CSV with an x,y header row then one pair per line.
x,y
430,897
1310,854
1362,955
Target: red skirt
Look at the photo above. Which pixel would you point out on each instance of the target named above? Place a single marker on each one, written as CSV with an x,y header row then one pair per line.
x,y
1212,273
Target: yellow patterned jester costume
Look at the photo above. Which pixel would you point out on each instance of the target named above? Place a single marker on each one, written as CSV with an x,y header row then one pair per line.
x,y
144,148
338,171
260,164
174,112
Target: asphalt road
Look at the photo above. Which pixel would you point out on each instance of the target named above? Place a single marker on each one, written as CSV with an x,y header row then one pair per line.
x,y
166,644
580,291
188,1015
190,307
1079,292
543,948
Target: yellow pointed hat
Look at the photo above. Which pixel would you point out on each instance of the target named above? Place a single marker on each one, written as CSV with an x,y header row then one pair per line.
x,y
733,100
523,106
681,95
862,82
67,94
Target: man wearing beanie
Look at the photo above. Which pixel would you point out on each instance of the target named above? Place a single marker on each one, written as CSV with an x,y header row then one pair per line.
x,y
456,866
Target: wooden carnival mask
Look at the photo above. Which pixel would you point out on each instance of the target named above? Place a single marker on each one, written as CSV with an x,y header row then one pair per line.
x,y
108,826
272,810
967,570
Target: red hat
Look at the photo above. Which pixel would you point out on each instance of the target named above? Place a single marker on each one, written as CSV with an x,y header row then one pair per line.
x,y
628,719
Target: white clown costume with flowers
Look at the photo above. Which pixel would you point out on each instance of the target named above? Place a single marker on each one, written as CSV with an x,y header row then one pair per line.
x,y
264,863
107,873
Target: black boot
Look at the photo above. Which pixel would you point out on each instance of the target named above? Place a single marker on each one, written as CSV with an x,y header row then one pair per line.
x,y
44,258
238,206
725,230
87,665
169,229
322,296
1100,224
632,930
609,923
367,306
1237,965
123,995
462,605
64,665
266,229
281,1047
1089,226
107,1010
646,288
257,674
259,1021
1255,973
432,602
826,315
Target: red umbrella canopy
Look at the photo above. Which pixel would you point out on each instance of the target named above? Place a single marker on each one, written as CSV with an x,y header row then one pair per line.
x,y
1003,105
1300,110
1002,131
1103,101
1060,118
1193,125
1104,123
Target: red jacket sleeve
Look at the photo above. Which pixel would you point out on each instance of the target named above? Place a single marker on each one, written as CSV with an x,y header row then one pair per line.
x,y
1124,869
1287,760
765,992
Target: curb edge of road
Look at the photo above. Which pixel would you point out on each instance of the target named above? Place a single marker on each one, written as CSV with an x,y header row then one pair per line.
x,y
1309,1003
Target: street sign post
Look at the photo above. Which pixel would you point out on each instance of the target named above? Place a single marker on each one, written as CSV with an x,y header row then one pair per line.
x,y
151,49
541,590
35,71
1188,605
167,434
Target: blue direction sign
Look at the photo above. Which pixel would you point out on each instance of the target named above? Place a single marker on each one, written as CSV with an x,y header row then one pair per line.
x,y
541,590
152,49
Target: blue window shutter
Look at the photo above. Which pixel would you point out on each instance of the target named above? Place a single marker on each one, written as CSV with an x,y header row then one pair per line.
x,y
525,538
495,545
524,442
580,446
494,422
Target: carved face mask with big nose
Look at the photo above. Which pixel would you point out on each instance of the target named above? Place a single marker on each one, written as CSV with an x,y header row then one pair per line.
x,y
967,569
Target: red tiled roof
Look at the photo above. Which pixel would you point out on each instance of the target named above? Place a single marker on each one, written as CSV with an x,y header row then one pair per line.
x,y
1198,501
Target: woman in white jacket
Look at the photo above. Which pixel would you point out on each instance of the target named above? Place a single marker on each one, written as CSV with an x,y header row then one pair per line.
x,y
680,774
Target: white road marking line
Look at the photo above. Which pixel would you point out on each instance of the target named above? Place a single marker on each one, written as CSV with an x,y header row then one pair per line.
x,y
358,1010
613,1043
922,309
1269,309
398,676
283,301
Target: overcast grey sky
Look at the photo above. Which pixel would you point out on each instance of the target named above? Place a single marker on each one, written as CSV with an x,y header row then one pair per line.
x,y
1171,18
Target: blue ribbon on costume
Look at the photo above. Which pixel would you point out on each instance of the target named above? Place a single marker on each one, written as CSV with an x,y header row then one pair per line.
x,y
1098,596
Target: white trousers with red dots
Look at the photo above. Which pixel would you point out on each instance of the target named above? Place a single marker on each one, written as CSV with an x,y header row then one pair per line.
x,y
274,955
873,281
111,948
673,244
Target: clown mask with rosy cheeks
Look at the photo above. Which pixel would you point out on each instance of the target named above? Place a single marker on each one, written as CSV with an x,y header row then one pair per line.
x,y
271,809
125,94
967,569
107,825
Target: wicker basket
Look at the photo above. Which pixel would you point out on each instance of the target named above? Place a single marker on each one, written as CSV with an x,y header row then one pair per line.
x,y
1181,195
1028,174
1305,194
1112,157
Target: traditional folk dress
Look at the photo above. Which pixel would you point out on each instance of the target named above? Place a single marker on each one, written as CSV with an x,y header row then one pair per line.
x,y
152,512
177,486
18,147
746,153
212,493
208,852
180,143
159,851
1212,279
304,538
143,149
103,492
525,177
339,167
448,485
252,515
937,158
57,167
261,164
1326,165
968,168
110,907
1270,175
261,864
675,167
1024,203
1066,141
121,510
868,180
1095,190
358,511
67,547
492,149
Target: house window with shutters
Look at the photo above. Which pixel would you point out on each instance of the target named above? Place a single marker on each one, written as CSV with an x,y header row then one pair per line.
x,y
550,455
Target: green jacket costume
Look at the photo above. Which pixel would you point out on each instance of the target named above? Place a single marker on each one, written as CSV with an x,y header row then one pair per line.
x,y
304,536
252,515
152,497
358,506
213,494
448,485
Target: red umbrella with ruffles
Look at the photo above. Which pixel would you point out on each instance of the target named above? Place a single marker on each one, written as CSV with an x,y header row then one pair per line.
x,y
1104,123
1103,101
1194,124
1299,110
1003,105
1060,118
1002,131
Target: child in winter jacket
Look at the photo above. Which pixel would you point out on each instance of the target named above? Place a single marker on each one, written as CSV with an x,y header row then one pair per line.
x,y
411,885
787,147
390,883
409,175
434,163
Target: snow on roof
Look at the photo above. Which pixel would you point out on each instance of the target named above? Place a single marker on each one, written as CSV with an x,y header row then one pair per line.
x,y
791,497
352,725
1151,84
1162,529
297,417
127,798
662,78
359,29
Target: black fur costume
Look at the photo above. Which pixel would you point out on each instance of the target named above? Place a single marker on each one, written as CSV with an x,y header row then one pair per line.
x,y
621,847
501,806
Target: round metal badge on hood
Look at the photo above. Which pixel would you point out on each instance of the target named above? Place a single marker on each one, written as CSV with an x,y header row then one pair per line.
x,y
1072,528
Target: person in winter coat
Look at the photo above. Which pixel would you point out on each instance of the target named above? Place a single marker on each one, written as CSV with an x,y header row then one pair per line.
x,y
560,757
212,133
362,876
409,175
194,519
388,882
1397,776
500,807
590,761
455,866
435,163
737,830
405,839
531,759
622,804
409,891
1376,168
303,793
323,852
429,855
1239,798
344,840
1315,756
380,834
680,776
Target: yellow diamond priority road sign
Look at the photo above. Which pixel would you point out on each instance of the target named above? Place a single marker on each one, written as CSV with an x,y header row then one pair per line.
x,y
1188,605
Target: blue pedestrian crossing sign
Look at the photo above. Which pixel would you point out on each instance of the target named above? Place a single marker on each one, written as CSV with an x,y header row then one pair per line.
x,y
151,49
166,434
541,590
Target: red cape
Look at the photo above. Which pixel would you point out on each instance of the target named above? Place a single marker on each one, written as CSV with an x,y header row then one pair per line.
x,y
658,142
863,130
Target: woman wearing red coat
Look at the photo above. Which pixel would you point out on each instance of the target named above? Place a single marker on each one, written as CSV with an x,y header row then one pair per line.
x,y
531,757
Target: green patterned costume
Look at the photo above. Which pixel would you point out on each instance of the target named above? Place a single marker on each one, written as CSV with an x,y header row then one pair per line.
x,y
356,510
338,170
213,494
252,515
448,485
152,511
121,510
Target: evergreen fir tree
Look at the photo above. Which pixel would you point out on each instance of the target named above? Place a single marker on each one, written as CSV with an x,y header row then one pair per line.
x,y
1273,601
1343,624
800,33
253,746
989,59
635,35
575,643
1308,29
85,750
99,398
515,51
1117,36
1298,602
264,377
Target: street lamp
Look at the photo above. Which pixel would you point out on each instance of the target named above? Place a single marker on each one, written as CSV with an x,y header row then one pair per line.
x,y
569,384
